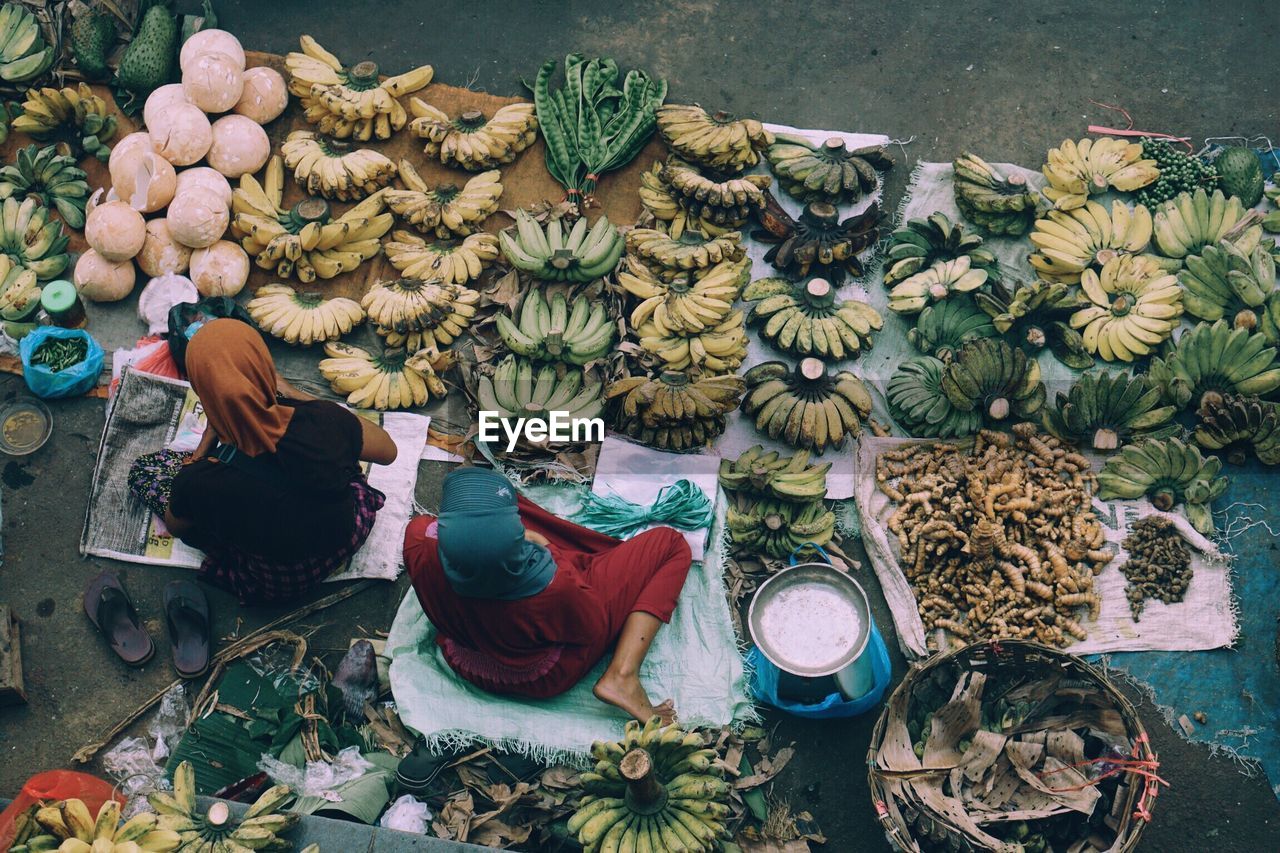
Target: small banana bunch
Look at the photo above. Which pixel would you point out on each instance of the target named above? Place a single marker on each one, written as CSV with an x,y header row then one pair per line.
x,y
31,239
551,254
396,379
1188,222
1209,361
727,203
918,404
304,241
333,169
1035,315
921,243
717,141
1105,410
1135,307
943,327
1169,472
49,177
350,102
1071,241
303,318
777,528
818,238
1077,170
450,261
446,209
520,389
1223,279
715,349
786,478
667,206
24,55
935,284
673,411
828,172
67,826
78,120
690,303
471,141
658,789
1240,425
806,407
417,314
999,381
808,320
19,291
667,256
214,829
989,199
553,330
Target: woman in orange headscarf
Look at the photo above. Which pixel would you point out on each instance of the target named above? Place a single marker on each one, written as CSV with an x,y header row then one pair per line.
x,y
274,495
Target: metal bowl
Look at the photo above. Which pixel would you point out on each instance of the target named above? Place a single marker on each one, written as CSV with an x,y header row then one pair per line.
x,y
25,425
810,620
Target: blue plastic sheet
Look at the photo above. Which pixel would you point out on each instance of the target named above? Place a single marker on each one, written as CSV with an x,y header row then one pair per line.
x,y
764,685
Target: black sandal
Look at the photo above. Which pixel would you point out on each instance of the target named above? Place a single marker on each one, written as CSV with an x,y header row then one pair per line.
x,y
112,613
186,612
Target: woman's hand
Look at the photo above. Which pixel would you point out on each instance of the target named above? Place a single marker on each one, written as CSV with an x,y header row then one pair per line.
x,y
207,439
537,538
286,390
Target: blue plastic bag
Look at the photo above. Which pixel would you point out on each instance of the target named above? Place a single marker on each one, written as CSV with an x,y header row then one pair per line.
x,y
764,685
72,382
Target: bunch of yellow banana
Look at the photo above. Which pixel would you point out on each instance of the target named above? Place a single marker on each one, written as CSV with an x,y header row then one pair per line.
x,y
808,320
445,209
304,241
1190,221
552,330
303,318
1071,241
395,379
1077,170
787,478
720,141
690,303
1136,306
78,120
1002,204
727,202
554,253
777,528
519,389
67,825
806,407
661,200
31,238
471,141
214,829
672,411
333,169
450,261
936,283
716,349
667,256
350,102
415,313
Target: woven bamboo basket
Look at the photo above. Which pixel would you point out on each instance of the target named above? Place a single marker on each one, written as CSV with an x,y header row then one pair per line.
x,y
906,825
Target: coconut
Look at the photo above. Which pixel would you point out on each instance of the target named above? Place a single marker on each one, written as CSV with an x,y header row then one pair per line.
x,y
101,280
240,145
220,270
265,95
144,179
115,230
211,41
134,142
166,96
159,296
213,82
182,134
161,254
207,179
197,218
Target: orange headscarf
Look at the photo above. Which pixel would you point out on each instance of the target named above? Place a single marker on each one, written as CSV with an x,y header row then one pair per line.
x,y
235,379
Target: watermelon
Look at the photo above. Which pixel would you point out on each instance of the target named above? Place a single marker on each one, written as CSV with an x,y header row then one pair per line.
x,y
1240,172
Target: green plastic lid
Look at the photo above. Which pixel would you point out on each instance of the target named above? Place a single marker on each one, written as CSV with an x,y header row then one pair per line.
x,y
58,296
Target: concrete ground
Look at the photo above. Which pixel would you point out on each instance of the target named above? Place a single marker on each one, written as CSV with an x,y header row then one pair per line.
x,y
1006,80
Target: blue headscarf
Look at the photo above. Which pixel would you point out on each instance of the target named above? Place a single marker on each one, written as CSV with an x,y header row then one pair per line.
x,y
481,539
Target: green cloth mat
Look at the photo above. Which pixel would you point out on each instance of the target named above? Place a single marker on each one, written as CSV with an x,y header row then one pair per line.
x,y
695,660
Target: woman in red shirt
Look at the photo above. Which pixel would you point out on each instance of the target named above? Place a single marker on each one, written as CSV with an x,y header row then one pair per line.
x,y
526,603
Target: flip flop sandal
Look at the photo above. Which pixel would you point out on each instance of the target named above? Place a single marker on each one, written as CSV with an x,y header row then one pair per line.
x,y
112,613
186,612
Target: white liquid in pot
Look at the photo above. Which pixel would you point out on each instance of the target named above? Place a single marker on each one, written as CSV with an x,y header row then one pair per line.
x,y
810,626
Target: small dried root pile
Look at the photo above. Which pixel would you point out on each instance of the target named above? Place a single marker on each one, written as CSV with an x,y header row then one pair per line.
x,y
1159,564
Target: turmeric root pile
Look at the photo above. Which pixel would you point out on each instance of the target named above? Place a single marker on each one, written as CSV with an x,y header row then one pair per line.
x,y
998,542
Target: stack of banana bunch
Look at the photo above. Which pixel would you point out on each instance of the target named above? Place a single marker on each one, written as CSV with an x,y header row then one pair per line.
x,y
450,261
395,379
771,475
31,239
304,241
992,200
1071,241
67,826
445,209
1222,279
673,411
935,284
806,407
76,119
581,253
921,243
727,203
720,141
333,169
1077,170
662,202
350,102
776,528
518,388
828,172
1188,222
19,293
554,330
24,55
472,141
416,314
260,827
808,320
303,318
668,256
50,178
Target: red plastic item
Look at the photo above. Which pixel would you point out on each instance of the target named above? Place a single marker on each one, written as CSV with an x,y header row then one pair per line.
x,y
56,785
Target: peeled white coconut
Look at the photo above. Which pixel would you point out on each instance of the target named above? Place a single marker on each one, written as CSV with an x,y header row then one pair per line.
x,y
206,179
161,99
197,218
101,280
131,144
115,230
143,179
161,254
265,95
162,293
211,41
213,82
182,134
220,270
240,145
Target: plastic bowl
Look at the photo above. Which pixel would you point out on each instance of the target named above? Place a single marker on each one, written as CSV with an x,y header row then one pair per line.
x,y
25,425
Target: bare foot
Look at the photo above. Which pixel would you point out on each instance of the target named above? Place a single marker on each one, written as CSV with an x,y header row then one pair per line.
x,y
629,695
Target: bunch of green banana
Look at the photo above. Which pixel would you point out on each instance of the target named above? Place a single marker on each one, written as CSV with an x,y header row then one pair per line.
x,y
921,243
1190,221
1269,319
666,205
807,320
51,179
1223,280
936,283
76,119
806,407
24,56
518,388
1133,306
828,172
1068,242
1209,361
1169,472
918,405
393,379
555,330
658,789
786,478
550,254
30,238
1104,410
777,528
19,291
818,239
451,261
1077,170
416,314
719,141
672,411
727,202
1035,315
1240,425
716,349
994,379
259,828
943,327
991,200
667,255
67,826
